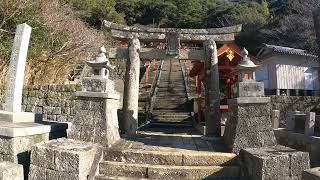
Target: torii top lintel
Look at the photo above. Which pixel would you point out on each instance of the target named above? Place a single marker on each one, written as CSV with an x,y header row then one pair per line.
x,y
220,35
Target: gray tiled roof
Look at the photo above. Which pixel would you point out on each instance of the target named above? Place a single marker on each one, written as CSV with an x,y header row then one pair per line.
x,y
267,48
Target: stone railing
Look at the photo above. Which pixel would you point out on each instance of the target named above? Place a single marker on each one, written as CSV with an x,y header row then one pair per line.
x,y
154,88
300,133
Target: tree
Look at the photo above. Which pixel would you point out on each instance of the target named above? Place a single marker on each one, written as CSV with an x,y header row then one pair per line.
x,y
95,11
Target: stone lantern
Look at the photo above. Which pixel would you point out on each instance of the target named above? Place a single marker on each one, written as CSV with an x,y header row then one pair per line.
x,y
246,67
97,103
248,124
100,81
247,85
101,64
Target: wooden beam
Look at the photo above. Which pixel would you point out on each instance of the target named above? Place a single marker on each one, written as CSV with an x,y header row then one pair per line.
x,y
150,53
146,36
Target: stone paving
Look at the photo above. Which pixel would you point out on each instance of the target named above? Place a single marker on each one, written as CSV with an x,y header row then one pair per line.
x,y
181,140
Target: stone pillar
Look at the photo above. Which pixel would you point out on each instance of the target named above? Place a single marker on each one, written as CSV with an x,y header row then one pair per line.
x,y
275,117
131,90
310,123
213,115
17,65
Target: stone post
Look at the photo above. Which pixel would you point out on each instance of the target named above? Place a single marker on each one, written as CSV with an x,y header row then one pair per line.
x,y
292,120
310,123
131,90
213,116
17,65
275,117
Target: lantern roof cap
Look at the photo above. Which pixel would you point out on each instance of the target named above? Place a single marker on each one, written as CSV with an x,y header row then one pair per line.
x,y
246,62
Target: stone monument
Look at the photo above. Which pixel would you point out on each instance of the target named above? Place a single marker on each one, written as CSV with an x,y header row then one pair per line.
x,y
249,123
96,119
18,130
15,76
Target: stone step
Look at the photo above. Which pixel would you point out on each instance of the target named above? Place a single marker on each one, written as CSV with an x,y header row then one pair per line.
x,y
170,125
166,88
169,103
171,91
171,116
170,108
177,94
103,177
155,120
173,98
173,113
167,172
170,111
178,158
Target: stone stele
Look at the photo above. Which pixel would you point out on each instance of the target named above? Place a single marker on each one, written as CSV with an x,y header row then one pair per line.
x,y
16,68
15,76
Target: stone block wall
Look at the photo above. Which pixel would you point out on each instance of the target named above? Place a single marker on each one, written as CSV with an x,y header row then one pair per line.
x,y
55,102
294,103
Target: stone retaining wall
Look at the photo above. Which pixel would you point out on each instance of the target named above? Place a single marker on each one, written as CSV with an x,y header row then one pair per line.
x,y
55,102
294,103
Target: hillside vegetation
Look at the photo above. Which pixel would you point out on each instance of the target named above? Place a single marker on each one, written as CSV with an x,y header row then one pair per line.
x,y
67,32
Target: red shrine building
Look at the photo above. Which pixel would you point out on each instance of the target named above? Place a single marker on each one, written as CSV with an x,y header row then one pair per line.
x,y
229,55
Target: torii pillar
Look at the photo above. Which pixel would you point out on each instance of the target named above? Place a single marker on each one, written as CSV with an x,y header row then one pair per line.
x,y
131,90
212,93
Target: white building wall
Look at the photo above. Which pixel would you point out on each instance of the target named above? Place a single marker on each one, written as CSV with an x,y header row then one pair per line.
x,y
288,72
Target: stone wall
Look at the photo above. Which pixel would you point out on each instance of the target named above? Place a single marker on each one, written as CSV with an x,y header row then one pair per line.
x,y
294,103
55,102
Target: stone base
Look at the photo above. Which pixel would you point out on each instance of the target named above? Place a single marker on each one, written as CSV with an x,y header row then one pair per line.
x,y
311,174
17,116
11,171
97,84
276,163
65,159
248,89
16,139
249,124
96,120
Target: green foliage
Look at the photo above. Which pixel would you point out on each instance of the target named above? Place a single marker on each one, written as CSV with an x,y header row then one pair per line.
x,y
94,11
280,22
40,33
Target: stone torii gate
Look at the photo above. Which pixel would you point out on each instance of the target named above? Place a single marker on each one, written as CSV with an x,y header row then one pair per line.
x,y
172,38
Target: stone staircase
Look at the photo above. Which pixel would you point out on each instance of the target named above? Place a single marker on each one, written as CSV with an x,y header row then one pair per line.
x,y
153,155
171,107
169,147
